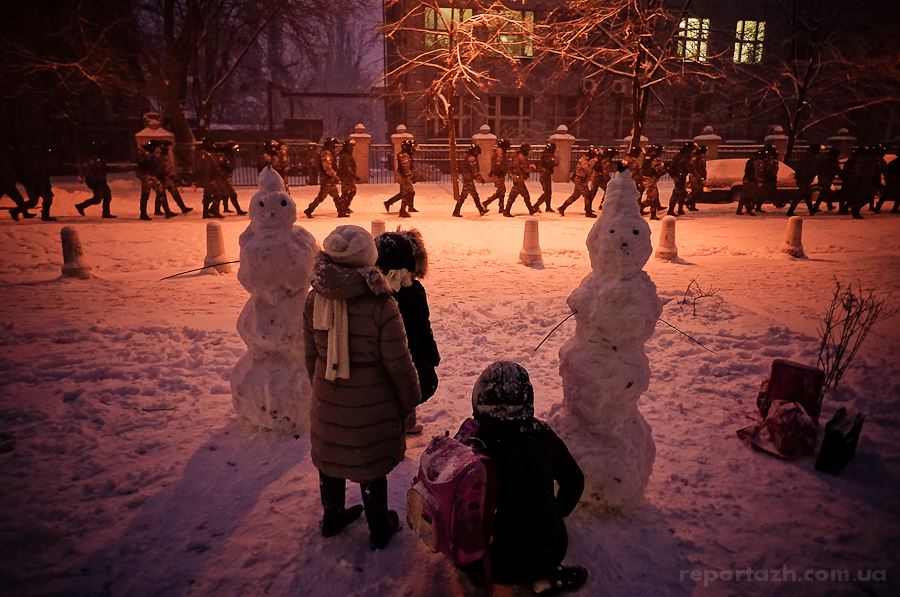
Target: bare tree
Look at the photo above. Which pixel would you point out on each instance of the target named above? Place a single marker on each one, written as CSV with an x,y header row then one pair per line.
x,y
451,54
826,68
640,41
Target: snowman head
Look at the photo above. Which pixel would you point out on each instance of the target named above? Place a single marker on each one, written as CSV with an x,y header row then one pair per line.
x,y
271,206
619,242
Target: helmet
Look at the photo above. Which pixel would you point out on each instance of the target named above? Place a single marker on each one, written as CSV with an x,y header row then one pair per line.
x,y
635,152
654,150
207,144
688,146
879,150
769,149
329,143
550,148
150,146
759,153
407,146
503,144
702,149
474,150
592,152
503,392
814,148
347,147
271,147
524,148
610,152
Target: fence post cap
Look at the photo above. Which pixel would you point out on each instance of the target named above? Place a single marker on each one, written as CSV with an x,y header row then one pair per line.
x,y
359,128
401,128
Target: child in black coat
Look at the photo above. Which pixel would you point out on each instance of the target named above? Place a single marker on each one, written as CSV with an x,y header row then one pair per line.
x,y
529,534
403,260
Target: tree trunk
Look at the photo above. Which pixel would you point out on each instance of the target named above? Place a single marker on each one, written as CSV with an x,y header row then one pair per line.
x,y
451,136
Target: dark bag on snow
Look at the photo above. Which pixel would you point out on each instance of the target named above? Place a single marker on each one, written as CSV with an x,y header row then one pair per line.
x,y
839,443
793,382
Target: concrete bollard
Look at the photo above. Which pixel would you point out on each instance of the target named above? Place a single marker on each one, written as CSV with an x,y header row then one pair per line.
x,y
377,227
215,248
793,244
531,247
667,249
74,263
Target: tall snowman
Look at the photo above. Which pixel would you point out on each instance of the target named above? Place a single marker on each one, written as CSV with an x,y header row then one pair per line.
x,y
269,384
603,367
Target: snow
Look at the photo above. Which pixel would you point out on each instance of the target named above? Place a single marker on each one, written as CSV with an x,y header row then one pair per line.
x,y
124,469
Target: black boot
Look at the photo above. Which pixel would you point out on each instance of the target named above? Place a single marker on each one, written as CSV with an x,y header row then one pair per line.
x,y
383,523
332,490
562,578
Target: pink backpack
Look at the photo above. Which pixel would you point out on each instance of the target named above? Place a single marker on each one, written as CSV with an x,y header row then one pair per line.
x,y
449,503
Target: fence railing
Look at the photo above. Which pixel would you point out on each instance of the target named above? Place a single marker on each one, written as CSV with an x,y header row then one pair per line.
x,y
431,163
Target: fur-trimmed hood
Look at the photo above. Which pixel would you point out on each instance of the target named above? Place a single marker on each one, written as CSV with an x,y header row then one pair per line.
x,y
335,281
403,249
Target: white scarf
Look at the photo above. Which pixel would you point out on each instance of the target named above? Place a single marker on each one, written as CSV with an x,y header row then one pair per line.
x,y
331,315
398,278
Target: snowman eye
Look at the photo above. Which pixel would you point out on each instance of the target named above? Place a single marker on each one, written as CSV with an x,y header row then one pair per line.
x,y
284,204
261,204
634,232
611,231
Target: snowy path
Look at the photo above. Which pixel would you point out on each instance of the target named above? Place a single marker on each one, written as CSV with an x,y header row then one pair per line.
x,y
125,472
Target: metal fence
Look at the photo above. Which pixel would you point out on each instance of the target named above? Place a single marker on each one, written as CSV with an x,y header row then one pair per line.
x,y
432,161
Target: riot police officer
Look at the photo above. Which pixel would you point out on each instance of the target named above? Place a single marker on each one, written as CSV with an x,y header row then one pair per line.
x,y
328,179
549,162
679,170
583,169
651,171
499,169
470,173
520,169
94,174
347,175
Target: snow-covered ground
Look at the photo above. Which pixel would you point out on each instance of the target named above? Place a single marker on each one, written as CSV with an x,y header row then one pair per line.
x,y
124,471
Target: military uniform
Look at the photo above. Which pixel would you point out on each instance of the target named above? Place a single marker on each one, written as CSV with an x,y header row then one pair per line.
x,y
470,173
696,176
407,190
651,171
8,176
347,175
827,167
146,173
94,172
520,168
752,185
223,186
891,186
679,170
328,181
804,173
769,182
165,167
548,163
583,169
499,169
36,180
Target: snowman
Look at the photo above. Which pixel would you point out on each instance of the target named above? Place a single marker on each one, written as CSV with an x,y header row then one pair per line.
x,y
603,367
269,384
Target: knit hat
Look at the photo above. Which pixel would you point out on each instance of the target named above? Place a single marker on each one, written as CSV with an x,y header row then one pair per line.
x,y
350,245
503,391
403,249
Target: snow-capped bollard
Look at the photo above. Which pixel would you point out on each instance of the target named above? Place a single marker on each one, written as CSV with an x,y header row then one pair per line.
x,y
215,248
74,263
377,227
667,249
793,244
531,247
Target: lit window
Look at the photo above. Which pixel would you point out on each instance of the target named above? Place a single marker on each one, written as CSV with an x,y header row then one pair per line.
x,y
443,20
517,31
509,115
748,45
692,40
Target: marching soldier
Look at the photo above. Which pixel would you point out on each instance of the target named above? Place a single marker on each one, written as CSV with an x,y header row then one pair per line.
x,y
206,167
224,170
602,168
275,155
634,161
804,173
94,174
548,163
696,177
679,170
328,179
583,169
651,171
8,176
165,171
520,168
347,175
752,183
499,168
146,173
770,177
470,173
36,180
312,163
891,186
827,168
406,179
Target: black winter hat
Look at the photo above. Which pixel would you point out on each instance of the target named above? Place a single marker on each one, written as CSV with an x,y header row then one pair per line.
x,y
503,391
402,250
